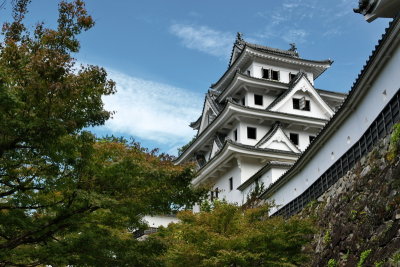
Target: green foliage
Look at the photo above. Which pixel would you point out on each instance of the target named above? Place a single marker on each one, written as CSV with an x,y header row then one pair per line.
x,y
395,259
332,263
363,257
353,215
65,197
395,137
327,237
346,256
394,142
253,198
184,147
379,263
231,236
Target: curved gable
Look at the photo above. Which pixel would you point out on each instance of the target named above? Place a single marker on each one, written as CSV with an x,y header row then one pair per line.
x,y
276,139
303,91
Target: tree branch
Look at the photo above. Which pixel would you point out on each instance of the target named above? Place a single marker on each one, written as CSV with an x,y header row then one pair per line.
x,y
46,231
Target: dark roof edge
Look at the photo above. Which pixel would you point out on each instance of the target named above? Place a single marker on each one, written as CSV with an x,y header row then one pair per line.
x,y
328,61
261,172
312,148
269,134
248,147
247,108
196,123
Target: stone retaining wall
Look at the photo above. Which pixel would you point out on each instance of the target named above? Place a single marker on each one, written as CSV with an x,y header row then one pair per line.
x,y
358,218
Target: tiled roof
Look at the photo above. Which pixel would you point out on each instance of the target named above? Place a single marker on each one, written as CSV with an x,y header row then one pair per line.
x,y
241,44
365,6
341,109
214,104
331,92
248,147
216,107
271,50
244,75
238,74
269,134
251,109
292,83
196,123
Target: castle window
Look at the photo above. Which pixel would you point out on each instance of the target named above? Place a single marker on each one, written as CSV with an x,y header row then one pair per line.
x,y
248,73
291,76
296,103
235,135
243,101
258,100
275,75
216,193
231,183
301,104
294,138
212,196
266,73
251,133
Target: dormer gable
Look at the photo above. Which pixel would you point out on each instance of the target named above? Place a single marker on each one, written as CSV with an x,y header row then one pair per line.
x,y
210,110
278,140
237,48
302,99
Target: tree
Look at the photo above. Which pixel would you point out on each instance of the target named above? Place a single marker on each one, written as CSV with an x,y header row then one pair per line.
x,y
184,147
65,197
231,236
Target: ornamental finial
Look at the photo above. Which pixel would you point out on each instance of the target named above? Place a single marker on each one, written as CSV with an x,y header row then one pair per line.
x,y
239,37
293,47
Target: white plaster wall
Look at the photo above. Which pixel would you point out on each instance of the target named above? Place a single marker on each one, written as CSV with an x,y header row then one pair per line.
x,y
316,110
207,156
267,99
261,131
204,120
354,126
222,183
249,167
214,149
231,134
256,71
304,137
266,179
159,220
277,172
278,145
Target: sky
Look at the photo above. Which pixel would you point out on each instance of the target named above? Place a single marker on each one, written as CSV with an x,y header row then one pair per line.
x,y
164,55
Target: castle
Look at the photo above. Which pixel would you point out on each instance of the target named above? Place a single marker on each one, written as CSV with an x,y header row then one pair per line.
x,y
258,118
265,122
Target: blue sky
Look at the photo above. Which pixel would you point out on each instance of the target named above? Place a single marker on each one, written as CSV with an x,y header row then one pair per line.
x,y
164,55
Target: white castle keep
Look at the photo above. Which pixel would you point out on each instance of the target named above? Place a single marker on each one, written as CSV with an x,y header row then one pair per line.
x,y
258,118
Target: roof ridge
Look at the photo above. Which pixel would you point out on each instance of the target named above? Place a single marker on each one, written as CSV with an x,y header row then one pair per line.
x,y
269,134
289,52
388,31
292,84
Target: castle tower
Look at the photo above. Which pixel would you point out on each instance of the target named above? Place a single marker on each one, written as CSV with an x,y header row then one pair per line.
x,y
257,119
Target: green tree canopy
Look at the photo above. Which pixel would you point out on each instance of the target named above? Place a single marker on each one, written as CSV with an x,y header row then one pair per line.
x,y
231,236
65,197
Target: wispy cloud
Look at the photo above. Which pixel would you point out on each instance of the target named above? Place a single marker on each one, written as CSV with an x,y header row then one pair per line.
x,y
291,19
152,111
204,39
295,35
